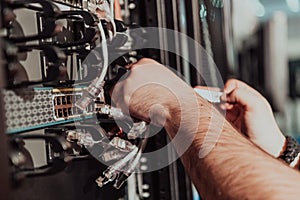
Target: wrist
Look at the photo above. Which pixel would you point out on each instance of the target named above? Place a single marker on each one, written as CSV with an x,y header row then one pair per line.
x,y
153,103
272,144
278,146
195,116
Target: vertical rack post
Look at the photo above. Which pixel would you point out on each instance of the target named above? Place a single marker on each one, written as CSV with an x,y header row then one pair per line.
x,y
5,185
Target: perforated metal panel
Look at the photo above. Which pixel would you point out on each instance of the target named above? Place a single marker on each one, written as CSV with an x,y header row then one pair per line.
x,y
40,111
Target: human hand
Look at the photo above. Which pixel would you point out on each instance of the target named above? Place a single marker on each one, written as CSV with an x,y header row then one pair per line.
x,y
252,115
151,90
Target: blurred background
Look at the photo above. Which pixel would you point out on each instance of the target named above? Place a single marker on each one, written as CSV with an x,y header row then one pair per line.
x,y
266,38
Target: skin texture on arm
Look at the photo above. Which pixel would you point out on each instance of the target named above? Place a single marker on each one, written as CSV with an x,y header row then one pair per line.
x,y
234,168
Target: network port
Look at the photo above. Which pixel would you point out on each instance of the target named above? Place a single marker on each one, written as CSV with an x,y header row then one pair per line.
x,y
64,105
59,113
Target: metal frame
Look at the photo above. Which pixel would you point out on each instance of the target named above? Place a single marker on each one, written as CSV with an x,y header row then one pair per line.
x,y
5,173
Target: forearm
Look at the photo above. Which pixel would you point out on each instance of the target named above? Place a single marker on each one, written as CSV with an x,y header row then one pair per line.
x,y
235,168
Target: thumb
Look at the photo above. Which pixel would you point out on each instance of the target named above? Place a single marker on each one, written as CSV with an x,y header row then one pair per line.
x,y
242,97
238,92
232,84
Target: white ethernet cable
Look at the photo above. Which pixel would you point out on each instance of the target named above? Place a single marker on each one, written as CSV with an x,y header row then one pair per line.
x,y
209,95
112,16
96,86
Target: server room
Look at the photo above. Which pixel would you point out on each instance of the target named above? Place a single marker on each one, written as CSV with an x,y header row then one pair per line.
x,y
149,99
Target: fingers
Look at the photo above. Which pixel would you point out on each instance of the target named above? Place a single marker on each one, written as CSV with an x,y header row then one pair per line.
x,y
232,84
240,96
239,93
233,115
227,106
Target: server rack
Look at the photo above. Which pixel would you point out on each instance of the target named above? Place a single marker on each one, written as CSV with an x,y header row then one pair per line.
x,y
170,182
4,164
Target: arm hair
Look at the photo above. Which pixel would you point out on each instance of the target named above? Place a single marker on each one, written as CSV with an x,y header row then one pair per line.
x,y
235,168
